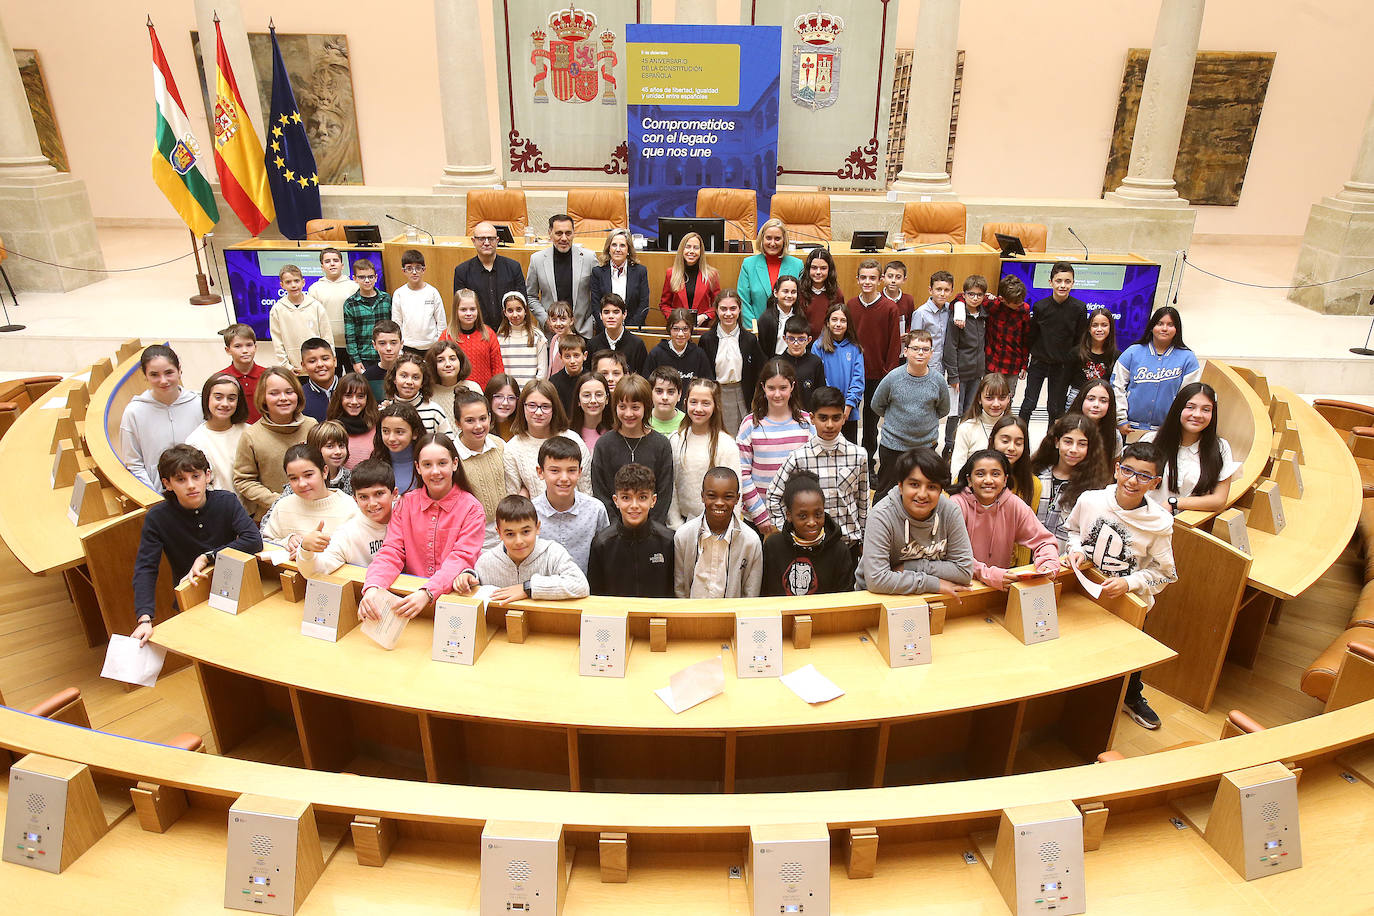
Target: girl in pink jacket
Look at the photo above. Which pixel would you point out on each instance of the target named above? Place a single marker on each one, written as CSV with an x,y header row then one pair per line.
x,y
997,521
436,532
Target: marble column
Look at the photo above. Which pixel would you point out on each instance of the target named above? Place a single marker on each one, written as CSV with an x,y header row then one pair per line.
x,y
695,12
929,103
1163,103
1359,190
44,213
463,99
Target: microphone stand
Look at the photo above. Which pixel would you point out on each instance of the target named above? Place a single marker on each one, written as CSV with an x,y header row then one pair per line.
x,y
1358,351
1080,241
412,226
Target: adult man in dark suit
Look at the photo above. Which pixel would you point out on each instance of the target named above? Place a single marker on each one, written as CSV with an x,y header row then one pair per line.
x,y
488,274
562,273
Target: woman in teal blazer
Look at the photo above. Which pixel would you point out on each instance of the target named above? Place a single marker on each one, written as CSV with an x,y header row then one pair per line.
x,y
756,279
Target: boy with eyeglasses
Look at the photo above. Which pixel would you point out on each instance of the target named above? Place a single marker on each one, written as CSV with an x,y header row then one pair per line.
x,y
911,399
417,306
796,334
1129,539
361,312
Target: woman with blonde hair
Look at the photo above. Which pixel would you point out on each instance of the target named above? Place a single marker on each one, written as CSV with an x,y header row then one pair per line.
x,y
691,283
621,273
758,274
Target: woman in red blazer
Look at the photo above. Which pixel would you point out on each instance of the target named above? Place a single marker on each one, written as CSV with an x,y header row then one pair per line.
x,y
691,283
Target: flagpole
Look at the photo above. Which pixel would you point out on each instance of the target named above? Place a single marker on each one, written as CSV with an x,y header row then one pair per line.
x,y
205,297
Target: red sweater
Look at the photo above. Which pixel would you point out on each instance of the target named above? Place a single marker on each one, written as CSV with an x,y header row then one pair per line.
x,y
485,355
815,312
249,382
876,327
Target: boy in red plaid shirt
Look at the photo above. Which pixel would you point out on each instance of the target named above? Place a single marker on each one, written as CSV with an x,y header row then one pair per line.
x,y
1009,318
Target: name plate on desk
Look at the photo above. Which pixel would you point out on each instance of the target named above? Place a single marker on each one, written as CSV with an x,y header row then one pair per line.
x,y
1032,612
1229,526
460,630
758,645
330,609
604,644
903,636
236,584
88,500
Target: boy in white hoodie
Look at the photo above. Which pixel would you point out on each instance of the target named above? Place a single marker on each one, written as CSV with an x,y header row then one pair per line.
x,y
527,566
1129,539
358,539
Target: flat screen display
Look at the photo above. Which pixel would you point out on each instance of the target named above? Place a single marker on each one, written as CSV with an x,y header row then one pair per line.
x,y
1126,290
254,284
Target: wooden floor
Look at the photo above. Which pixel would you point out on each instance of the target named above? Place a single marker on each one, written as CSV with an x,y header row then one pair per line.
x,y
42,650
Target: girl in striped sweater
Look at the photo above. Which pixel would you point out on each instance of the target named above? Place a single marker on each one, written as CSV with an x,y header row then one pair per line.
x,y
408,382
775,425
524,349
476,339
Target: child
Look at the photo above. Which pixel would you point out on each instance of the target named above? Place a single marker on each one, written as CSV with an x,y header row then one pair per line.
x,y
775,427
1006,348
312,509
386,340
894,278
356,541
567,514
964,347
988,405
781,307
820,288
361,312
735,357
295,318
399,427
911,399
1097,352
558,323
190,526
809,369
417,306
223,406
700,443
633,557
839,465
1097,401
408,382
435,532
839,351
631,441
1197,467
320,377
483,456
916,541
934,317
1069,462
528,566
476,339
538,418
1056,325
877,324
572,353
667,391
354,407
1129,539
678,351
610,365
1151,372
715,555
1009,436
448,368
242,346
258,474
589,419
333,290
808,556
615,338
158,418
503,394
524,350
998,522
332,441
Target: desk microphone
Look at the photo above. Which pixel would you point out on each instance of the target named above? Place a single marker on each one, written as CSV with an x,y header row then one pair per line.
x,y
1080,241
415,227
926,245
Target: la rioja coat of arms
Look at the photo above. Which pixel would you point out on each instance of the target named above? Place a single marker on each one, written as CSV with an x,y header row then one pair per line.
x,y
816,62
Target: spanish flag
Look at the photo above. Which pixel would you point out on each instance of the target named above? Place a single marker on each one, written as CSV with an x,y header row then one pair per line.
x,y
238,154
176,168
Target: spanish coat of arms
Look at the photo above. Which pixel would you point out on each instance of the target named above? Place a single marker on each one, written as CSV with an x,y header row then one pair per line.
x,y
816,62
571,62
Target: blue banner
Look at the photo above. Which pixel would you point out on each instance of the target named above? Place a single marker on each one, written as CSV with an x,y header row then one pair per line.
x,y
702,113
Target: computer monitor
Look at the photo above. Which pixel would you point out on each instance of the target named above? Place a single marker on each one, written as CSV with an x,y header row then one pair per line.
x,y
672,229
1011,245
504,235
362,235
869,242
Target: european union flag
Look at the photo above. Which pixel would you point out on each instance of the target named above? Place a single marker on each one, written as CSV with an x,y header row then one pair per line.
x,y
290,163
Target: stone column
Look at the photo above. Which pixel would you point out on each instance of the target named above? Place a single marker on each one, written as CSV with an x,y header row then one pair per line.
x,y
463,97
44,213
929,103
1339,242
695,12
1163,103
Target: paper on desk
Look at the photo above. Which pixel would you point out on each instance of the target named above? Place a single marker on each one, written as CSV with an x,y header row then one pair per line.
x,y
274,554
55,404
1089,586
811,685
692,685
387,631
127,661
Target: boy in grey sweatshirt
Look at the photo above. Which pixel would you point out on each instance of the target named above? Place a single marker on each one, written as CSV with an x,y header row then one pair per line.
x,y
916,542
911,399
527,566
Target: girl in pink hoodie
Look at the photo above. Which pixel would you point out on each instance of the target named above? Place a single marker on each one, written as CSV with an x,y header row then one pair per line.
x,y
997,521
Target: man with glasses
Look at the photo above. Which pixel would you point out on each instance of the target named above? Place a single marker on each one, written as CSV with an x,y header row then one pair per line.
x,y
562,273
911,399
488,274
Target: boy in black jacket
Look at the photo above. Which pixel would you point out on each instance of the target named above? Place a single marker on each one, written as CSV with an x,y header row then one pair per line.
x,y
633,558
1056,327
810,370
678,352
808,556
190,526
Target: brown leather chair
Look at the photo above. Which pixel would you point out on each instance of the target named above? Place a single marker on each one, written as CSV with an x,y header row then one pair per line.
x,y
1032,235
1237,723
807,216
928,222
1344,415
330,230
597,211
67,706
1321,675
498,207
739,207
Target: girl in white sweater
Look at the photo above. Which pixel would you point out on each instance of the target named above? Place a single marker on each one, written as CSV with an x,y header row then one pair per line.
x,y
700,443
539,416
990,403
226,416
524,349
312,511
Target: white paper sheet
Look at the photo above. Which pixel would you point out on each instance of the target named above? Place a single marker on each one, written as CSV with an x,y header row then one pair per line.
x,y
127,661
811,685
1089,586
274,554
693,684
55,404
387,631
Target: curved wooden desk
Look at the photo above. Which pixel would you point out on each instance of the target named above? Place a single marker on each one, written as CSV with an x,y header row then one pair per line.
x,y
106,410
1244,423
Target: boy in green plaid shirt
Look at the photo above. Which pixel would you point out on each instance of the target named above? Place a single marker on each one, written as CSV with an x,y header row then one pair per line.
x,y
361,311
